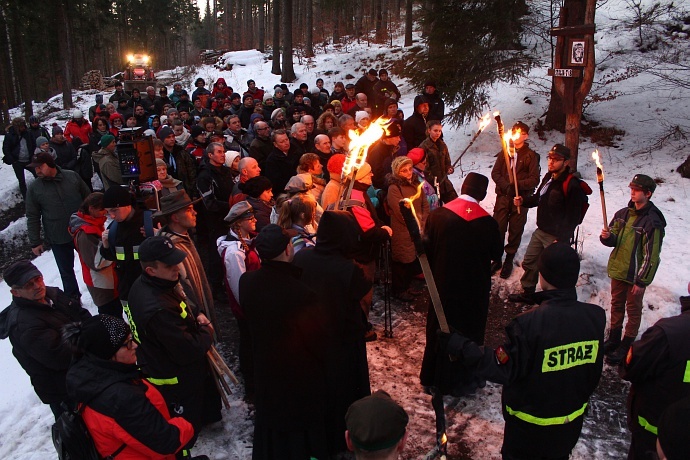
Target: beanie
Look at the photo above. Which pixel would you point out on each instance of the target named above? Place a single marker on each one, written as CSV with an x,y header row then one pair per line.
x,y
363,171
271,242
475,185
40,140
335,164
399,162
102,335
117,196
361,114
106,139
195,131
57,130
559,265
275,113
164,132
417,155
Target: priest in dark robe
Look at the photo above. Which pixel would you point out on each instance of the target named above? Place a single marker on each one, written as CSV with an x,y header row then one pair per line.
x,y
462,239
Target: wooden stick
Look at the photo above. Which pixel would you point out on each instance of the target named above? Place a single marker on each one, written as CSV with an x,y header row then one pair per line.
x,y
223,365
506,156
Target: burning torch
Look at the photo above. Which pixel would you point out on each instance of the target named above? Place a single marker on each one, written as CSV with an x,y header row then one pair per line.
x,y
357,155
412,224
600,180
505,146
483,123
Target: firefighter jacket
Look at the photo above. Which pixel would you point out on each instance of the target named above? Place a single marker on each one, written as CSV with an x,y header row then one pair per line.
x,y
636,236
658,365
173,346
549,367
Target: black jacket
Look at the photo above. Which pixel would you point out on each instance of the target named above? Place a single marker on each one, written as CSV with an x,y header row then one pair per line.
x,y
172,344
35,331
527,171
414,127
558,213
281,167
552,363
656,366
10,146
215,184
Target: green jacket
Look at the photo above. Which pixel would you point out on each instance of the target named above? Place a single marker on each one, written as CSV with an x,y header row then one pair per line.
x,y
636,237
50,202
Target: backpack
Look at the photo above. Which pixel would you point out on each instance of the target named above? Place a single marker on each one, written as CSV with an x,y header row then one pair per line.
x,y
72,439
586,189
85,165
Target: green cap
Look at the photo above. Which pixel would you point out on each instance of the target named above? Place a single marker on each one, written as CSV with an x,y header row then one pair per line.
x,y
643,182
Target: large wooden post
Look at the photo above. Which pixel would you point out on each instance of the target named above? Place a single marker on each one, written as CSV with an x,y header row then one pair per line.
x,y
574,70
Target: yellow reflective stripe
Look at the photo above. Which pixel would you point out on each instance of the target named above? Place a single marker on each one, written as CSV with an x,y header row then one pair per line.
x,y
686,376
646,425
120,253
171,381
132,326
570,355
135,252
546,421
183,306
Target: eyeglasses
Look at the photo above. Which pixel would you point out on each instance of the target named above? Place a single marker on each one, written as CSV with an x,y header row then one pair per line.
x,y
555,158
129,343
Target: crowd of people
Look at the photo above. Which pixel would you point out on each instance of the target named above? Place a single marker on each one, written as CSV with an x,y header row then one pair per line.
x,y
253,212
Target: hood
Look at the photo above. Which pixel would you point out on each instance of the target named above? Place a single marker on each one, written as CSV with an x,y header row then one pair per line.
x,y
219,81
419,100
338,232
78,220
102,153
89,376
652,212
8,318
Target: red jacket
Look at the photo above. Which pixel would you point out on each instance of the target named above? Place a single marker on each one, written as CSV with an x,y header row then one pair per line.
x,y
108,435
73,129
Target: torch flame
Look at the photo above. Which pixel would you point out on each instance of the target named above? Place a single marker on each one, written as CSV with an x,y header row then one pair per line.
x,y
496,113
511,136
485,121
409,203
359,143
600,168
444,439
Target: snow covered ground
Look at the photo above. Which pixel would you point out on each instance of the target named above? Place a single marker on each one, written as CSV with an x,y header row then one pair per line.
x,y
644,108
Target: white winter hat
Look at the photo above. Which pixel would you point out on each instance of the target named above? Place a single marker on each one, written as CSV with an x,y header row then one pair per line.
x,y
275,113
230,156
77,114
361,114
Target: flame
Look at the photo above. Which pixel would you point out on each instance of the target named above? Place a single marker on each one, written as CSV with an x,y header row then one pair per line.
x,y
496,113
511,136
444,439
485,121
409,202
359,143
600,168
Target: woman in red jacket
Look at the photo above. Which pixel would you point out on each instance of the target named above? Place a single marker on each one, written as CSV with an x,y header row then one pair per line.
x,y
124,413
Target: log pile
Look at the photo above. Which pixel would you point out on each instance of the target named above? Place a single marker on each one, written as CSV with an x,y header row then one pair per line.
x,y
93,79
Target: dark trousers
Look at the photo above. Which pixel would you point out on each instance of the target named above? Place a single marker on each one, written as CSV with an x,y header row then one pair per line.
x,y
19,169
505,213
64,258
112,308
403,274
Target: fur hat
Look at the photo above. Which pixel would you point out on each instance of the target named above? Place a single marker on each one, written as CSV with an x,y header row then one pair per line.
x,y
399,162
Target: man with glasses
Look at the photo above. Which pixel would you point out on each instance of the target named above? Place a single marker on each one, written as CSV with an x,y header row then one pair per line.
x,y
559,201
261,146
33,322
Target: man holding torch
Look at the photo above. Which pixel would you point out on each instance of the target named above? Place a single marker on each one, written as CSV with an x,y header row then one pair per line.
x,y
636,233
505,211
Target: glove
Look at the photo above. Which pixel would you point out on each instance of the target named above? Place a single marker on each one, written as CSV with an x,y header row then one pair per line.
x,y
460,347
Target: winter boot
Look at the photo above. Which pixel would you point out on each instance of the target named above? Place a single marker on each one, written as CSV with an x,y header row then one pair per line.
x,y
614,340
526,296
621,352
507,268
495,266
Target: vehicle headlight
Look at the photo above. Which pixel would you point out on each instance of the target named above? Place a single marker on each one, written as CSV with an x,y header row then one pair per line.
x,y
145,59
130,57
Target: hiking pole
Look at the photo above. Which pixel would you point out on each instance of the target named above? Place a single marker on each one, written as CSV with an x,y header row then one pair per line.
x,y
483,123
386,274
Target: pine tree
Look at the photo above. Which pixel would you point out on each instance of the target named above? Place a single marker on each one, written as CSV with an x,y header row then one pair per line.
x,y
471,44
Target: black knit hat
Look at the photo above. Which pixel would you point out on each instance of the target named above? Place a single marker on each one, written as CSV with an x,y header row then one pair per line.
x,y
559,265
376,422
117,196
475,185
255,186
102,335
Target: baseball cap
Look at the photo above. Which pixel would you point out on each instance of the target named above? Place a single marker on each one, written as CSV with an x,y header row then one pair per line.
x,y
376,422
160,248
20,273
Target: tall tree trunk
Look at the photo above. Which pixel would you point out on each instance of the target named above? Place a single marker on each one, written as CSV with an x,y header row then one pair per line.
x,y
337,15
378,21
20,61
5,75
408,22
65,51
309,28
249,25
262,25
359,17
288,73
275,9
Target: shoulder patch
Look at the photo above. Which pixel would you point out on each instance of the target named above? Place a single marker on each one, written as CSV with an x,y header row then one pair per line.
x,y
501,355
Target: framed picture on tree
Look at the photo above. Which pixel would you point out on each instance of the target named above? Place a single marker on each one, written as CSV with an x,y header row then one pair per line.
x,y
577,52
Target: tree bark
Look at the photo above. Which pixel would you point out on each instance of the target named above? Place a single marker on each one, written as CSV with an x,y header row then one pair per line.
x,y
408,22
20,61
275,67
288,73
262,25
65,51
309,28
